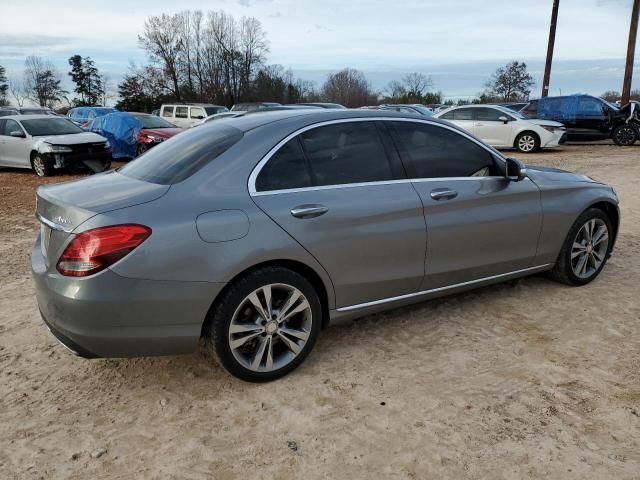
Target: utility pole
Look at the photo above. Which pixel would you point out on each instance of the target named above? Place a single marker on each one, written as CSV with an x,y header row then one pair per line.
x,y
552,41
631,48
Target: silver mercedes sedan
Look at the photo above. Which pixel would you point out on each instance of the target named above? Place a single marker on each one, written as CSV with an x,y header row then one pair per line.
x,y
256,232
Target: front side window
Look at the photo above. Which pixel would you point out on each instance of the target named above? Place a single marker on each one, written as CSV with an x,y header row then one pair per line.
x,y
346,153
167,112
490,114
182,112
589,106
437,152
287,168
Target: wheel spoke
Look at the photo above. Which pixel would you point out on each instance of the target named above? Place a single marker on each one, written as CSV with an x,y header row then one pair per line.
x,y
301,307
291,345
257,304
257,358
577,249
289,302
269,362
301,334
245,328
237,343
582,261
597,257
600,236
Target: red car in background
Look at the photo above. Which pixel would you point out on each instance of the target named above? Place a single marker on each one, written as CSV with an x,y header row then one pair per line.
x,y
154,130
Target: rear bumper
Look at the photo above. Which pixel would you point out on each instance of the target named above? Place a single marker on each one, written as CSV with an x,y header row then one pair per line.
x,y
108,315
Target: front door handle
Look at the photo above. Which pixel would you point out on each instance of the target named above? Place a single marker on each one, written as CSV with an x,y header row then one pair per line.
x,y
443,194
309,211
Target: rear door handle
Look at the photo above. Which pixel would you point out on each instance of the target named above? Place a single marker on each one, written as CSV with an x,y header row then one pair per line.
x,y
309,211
443,194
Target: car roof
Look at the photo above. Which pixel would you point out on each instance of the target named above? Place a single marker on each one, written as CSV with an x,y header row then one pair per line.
x,y
31,116
305,117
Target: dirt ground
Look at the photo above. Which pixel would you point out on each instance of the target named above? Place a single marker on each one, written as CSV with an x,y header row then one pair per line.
x,y
525,380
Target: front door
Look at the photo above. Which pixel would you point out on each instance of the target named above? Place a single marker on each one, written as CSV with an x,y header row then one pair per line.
x,y
479,223
488,127
335,190
14,151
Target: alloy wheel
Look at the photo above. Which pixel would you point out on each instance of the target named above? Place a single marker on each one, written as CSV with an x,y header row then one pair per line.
x,y
270,327
526,143
589,248
625,136
38,166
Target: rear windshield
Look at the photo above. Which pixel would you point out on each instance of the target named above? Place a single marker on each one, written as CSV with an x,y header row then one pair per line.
x,y
180,157
214,110
50,126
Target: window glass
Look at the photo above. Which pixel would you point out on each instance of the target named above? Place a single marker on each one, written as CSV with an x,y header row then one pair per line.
x,y
167,112
463,114
489,114
197,112
589,106
448,115
40,127
11,126
182,112
171,162
2,124
346,153
287,168
437,152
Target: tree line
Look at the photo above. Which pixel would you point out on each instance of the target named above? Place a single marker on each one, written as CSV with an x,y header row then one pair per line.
x,y
213,57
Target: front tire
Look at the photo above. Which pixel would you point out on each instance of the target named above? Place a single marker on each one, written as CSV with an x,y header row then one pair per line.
x,y
265,324
624,135
42,166
141,148
527,142
585,250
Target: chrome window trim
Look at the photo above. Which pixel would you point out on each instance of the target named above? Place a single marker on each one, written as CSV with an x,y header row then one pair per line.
x,y
439,289
251,183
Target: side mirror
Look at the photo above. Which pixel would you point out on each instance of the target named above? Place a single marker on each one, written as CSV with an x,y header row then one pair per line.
x,y
503,119
515,170
17,134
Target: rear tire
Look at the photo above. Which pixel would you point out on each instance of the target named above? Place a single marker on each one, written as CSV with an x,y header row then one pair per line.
x,y
527,142
140,149
624,135
42,166
258,349
585,250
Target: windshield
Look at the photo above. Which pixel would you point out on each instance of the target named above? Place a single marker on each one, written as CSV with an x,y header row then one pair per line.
x,y
39,127
424,110
213,110
104,111
612,105
151,121
176,159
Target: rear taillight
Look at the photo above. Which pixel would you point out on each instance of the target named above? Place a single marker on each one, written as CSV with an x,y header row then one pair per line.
x,y
94,250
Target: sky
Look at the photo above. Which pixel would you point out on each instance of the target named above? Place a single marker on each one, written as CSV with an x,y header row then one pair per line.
x,y
458,42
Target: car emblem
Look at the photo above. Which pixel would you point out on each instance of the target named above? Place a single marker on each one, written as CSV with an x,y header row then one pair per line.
x,y
62,221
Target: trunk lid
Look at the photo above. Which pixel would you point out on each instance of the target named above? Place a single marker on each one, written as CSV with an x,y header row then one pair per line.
x,y
62,207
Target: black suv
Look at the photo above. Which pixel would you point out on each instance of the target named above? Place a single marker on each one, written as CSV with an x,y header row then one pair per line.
x,y
586,117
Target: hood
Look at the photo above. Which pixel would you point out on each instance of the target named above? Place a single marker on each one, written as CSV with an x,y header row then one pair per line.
x,y
73,139
545,123
557,175
161,132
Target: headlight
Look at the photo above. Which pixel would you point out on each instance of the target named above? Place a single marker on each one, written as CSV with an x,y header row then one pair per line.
x,y
552,129
48,148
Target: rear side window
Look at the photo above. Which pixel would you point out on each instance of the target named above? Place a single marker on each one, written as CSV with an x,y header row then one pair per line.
x,y
182,112
287,168
346,153
197,112
437,152
167,112
180,157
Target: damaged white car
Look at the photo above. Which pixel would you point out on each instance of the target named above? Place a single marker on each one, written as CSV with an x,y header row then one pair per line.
x,y
45,143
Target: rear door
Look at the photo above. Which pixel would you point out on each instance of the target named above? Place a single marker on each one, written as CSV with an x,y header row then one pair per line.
x,y
488,127
479,223
339,190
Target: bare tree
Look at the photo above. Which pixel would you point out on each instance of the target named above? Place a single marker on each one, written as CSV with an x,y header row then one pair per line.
x,y
42,82
348,87
417,84
510,83
18,91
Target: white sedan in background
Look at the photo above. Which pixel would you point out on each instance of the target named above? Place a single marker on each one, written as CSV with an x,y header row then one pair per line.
x,y
504,128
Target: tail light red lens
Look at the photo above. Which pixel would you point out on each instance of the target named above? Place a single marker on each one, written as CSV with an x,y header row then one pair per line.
x,y
94,250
